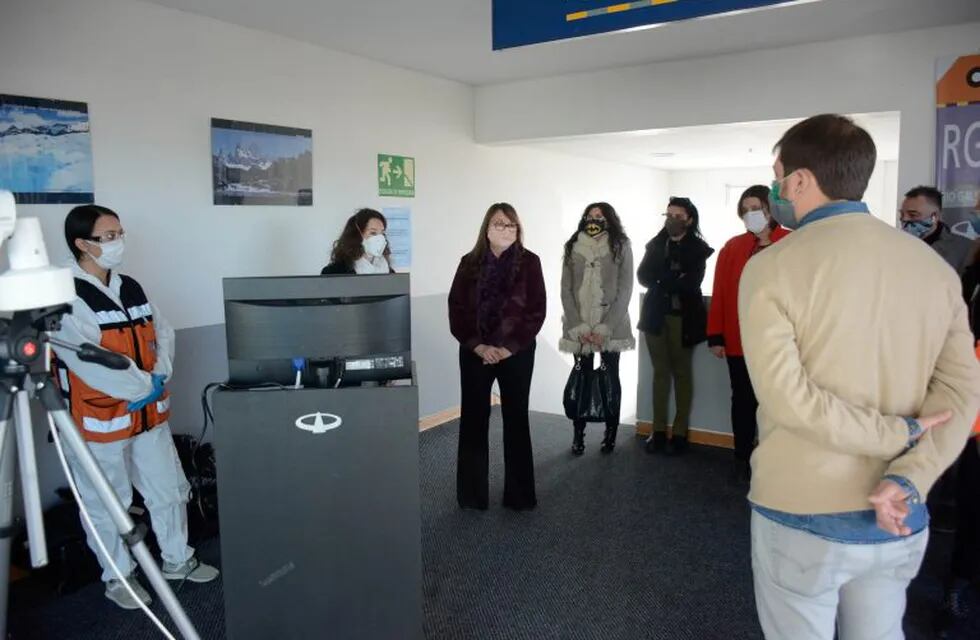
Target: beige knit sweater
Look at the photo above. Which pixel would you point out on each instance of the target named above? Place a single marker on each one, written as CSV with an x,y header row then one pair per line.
x,y
849,325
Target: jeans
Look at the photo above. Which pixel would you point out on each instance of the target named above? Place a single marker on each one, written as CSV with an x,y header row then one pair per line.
x,y
807,587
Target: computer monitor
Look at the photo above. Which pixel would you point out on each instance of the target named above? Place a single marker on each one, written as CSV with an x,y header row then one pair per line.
x,y
335,330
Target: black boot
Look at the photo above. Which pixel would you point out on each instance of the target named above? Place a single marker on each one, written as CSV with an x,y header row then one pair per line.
x,y
678,446
657,442
609,442
952,617
578,440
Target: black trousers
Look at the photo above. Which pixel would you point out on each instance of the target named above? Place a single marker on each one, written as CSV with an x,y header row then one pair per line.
x,y
744,406
611,360
472,467
966,543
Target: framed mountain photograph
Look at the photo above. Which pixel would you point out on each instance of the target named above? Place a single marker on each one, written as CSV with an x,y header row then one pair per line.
x,y
261,164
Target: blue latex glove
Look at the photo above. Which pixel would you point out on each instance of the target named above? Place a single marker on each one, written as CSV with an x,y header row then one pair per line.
x,y
158,387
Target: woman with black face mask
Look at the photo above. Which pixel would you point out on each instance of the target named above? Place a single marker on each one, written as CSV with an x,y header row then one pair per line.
x,y
673,317
596,286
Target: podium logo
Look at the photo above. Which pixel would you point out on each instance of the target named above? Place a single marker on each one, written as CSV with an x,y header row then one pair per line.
x,y
318,422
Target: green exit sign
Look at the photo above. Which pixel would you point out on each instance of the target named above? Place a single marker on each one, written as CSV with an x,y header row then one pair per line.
x,y
396,176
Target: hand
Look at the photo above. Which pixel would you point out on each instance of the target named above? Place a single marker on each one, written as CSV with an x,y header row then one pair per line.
x,y
598,339
719,352
488,354
585,338
888,500
496,355
153,397
930,422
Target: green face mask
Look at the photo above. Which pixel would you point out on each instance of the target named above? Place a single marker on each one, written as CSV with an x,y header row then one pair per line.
x,y
782,209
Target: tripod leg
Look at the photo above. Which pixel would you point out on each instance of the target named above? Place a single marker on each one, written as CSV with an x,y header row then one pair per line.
x,y
6,507
33,513
52,401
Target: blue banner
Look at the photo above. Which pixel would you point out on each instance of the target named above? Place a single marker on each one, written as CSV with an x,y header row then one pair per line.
x,y
521,22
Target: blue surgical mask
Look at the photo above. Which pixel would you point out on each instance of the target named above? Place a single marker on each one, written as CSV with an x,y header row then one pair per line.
x,y
918,228
782,210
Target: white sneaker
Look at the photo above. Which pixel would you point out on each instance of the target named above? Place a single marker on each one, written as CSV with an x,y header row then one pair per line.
x,y
116,591
192,570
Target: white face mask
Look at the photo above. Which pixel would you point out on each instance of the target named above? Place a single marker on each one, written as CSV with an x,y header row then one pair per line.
x,y
375,245
112,254
755,221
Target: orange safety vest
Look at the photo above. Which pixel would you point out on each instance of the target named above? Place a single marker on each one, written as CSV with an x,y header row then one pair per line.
x,y
127,330
976,425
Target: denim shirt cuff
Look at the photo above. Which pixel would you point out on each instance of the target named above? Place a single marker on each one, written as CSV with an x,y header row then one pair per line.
x,y
915,430
912,496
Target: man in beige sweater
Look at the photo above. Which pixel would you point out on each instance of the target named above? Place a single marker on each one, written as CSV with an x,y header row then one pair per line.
x,y
857,343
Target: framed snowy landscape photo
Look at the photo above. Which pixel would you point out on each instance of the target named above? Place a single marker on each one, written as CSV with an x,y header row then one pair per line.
x,y
261,164
45,150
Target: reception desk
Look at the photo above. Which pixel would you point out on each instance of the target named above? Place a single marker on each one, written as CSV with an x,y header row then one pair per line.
x,y
318,493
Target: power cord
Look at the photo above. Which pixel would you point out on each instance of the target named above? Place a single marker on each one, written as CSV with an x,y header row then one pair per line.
x,y
95,535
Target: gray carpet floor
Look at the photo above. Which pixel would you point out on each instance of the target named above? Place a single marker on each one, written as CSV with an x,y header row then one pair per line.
x,y
622,546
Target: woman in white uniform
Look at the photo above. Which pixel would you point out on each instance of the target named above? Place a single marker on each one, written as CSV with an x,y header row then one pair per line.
x,y
123,414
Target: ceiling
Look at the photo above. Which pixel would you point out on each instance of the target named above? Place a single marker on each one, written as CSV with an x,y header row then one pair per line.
x,y
723,146
451,38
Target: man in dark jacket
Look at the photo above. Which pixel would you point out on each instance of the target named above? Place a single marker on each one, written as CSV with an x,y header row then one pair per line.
x,y
921,216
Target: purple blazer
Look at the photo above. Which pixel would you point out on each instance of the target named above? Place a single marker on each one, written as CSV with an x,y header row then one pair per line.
x,y
523,310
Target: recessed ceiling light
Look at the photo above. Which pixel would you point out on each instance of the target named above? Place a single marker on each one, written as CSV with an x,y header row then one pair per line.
x,y
662,154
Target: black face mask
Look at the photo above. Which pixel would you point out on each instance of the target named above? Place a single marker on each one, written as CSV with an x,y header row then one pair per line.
x,y
591,227
675,227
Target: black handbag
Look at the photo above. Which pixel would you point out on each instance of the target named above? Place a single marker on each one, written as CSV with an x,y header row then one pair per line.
x,y
592,395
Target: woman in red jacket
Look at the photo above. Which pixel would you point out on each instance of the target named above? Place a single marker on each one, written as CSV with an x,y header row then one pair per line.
x,y
724,337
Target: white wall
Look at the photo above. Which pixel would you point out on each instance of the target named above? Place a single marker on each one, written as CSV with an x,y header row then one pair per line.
x,y
153,78
716,193
893,72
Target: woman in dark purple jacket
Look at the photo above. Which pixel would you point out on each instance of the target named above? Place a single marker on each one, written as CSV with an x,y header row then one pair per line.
x,y
496,309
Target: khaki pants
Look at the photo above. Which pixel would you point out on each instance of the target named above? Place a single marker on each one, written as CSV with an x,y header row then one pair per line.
x,y
672,363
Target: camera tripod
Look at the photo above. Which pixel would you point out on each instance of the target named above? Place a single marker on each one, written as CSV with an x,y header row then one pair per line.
x,y
23,376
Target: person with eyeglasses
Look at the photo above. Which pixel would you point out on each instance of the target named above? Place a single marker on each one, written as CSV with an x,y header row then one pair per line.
x,y
123,415
673,318
362,247
497,305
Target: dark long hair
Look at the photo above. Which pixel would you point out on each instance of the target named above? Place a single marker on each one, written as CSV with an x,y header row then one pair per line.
x,y
80,223
692,213
614,227
762,193
349,247
475,257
